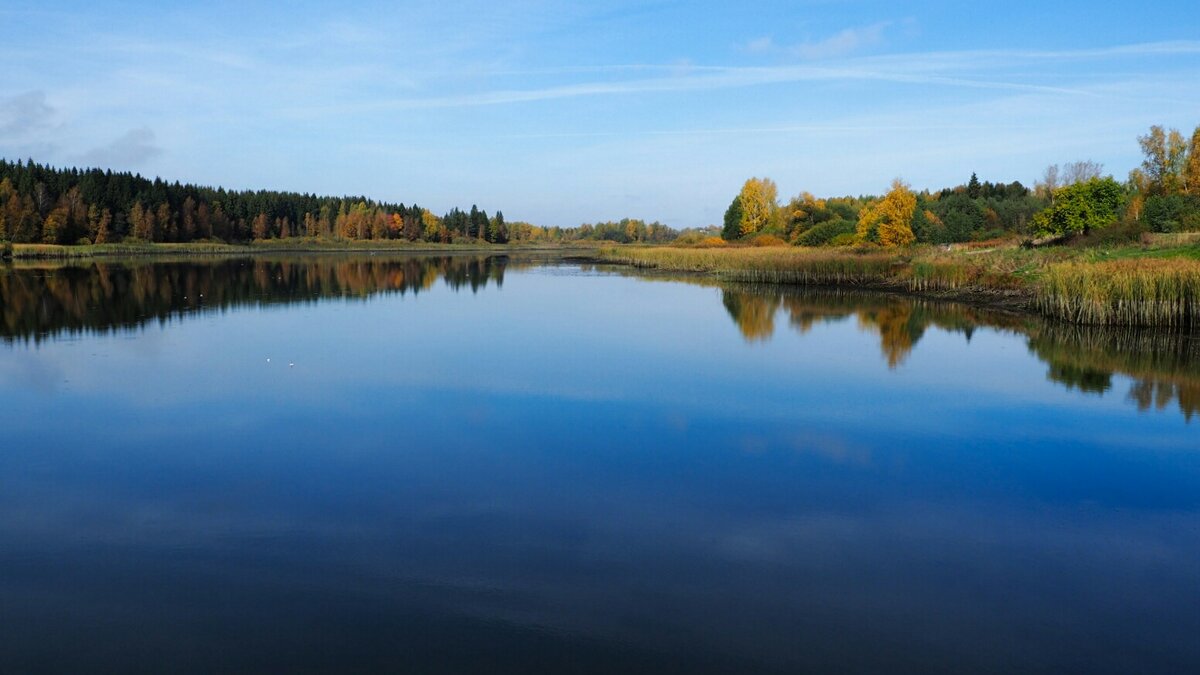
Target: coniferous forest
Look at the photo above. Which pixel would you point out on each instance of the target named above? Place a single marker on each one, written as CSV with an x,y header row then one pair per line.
x,y
43,204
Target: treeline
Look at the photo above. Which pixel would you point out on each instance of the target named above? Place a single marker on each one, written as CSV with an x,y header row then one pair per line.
x,y
42,204
1162,195
625,231
47,205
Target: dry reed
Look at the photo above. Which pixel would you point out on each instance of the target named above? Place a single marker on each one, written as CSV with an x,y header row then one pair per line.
x,y
1144,292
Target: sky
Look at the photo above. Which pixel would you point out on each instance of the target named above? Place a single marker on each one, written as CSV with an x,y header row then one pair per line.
x,y
560,113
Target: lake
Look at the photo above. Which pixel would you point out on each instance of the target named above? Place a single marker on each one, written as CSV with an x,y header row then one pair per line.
x,y
530,463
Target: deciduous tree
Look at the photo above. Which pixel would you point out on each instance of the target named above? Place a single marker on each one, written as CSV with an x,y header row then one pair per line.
x,y
889,221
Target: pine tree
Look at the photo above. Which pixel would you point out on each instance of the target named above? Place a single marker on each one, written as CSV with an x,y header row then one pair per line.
x,y
498,231
974,189
733,220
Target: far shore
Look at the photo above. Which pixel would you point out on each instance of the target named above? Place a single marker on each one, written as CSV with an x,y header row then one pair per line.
x,y
1155,283
290,245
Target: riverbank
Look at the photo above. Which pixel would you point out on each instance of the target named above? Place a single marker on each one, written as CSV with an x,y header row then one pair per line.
x,y
1132,285
1154,284
290,245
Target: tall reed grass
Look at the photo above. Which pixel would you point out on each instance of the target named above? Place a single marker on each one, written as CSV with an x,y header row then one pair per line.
x,y
1127,292
1143,292
777,265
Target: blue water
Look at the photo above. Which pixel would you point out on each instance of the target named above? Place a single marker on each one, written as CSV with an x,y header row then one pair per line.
x,y
473,464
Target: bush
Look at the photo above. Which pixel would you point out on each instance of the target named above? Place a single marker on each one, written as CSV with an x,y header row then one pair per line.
x,y
690,238
1081,208
6,250
1126,232
990,234
767,240
847,239
1172,213
823,233
711,242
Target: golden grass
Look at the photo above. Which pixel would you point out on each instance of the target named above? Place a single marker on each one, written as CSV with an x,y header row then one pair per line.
x,y
1140,292
1129,292
807,266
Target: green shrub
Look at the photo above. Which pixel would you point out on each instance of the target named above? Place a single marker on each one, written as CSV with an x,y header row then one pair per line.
x,y
1126,232
822,234
1081,208
1172,213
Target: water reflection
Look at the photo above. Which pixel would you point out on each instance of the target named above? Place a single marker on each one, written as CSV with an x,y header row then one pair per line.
x,y
45,299
1165,367
41,300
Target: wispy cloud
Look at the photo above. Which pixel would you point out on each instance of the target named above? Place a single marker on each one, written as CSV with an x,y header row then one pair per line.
x,y
842,43
24,114
131,149
964,69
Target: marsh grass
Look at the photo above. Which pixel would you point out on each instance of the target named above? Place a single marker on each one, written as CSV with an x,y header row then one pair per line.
x,y
1139,292
1122,286
808,266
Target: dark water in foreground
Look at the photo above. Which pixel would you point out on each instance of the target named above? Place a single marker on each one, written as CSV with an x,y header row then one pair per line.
x,y
513,465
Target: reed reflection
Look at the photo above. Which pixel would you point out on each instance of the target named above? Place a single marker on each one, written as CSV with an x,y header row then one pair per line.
x,y
1165,367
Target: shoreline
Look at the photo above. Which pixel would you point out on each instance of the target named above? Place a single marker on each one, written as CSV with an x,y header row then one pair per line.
x,y
1151,287
91,251
1161,293
1010,301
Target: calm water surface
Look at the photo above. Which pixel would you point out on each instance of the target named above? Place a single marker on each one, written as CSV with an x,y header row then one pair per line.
x,y
336,464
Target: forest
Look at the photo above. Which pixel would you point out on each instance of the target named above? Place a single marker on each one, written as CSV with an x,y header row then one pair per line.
x,y
45,205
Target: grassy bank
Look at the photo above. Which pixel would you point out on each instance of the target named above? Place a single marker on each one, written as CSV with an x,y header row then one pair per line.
x,y
823,267
1137,292
1147,286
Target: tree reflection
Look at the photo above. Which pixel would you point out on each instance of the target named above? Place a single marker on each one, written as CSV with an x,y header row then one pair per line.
x,y
753,314
38,301
1164,366
42,300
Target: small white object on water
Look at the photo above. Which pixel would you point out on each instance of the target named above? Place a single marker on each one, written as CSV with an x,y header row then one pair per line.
x,y
291,365
268,360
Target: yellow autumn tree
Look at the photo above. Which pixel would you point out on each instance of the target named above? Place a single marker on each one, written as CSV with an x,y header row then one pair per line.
x,y
431,226
890,219
758,201
1191,169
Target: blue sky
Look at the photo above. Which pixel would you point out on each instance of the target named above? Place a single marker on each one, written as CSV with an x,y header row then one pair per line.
x,y
566,112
